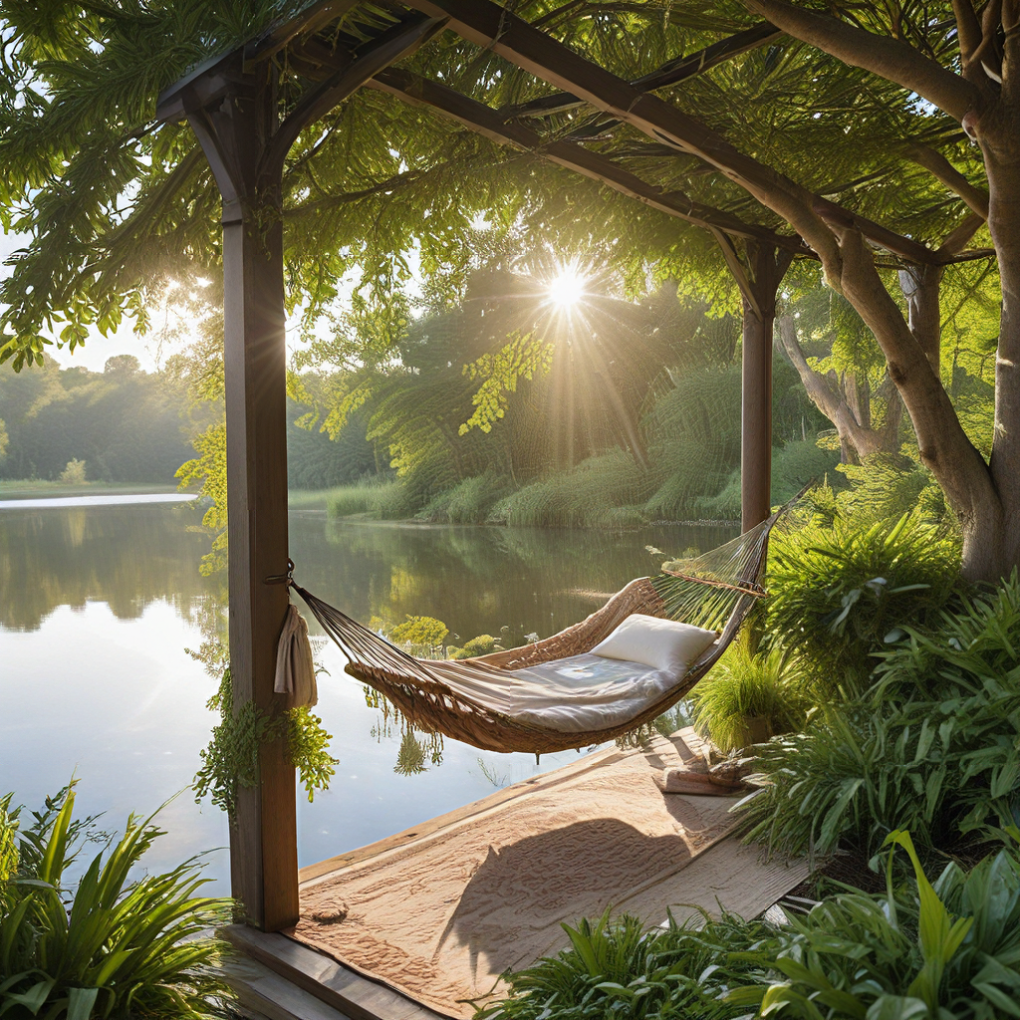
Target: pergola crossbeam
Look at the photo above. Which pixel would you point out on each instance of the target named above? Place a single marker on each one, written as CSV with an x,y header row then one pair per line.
x,y
676,70
494,27
485,121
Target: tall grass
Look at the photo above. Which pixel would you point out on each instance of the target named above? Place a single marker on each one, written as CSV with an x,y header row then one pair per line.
x,y
366,499
603,491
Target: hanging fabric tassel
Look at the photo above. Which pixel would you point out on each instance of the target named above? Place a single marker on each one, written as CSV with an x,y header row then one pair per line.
x,y
295,670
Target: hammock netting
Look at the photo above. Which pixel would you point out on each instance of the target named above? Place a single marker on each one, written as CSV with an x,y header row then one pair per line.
x,y
469,699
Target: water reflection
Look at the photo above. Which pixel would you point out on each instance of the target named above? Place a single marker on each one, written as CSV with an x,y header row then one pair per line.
x,y
98,604
125,556
477,580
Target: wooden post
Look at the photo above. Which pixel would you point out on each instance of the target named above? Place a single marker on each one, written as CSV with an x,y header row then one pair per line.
x,y
234,135
767,267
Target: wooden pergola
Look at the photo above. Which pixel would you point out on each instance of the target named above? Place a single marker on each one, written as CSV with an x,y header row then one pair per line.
x,y
231,102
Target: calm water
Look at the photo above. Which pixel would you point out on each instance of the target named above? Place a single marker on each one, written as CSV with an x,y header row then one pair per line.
x,y
99,604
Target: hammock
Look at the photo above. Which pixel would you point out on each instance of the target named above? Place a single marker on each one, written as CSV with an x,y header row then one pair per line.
x,y
472,699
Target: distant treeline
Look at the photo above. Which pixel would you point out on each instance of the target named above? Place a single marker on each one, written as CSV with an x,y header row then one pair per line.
x,y
127,425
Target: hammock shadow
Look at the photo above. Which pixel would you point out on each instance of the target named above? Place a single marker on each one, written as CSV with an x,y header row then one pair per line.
x,y
559,875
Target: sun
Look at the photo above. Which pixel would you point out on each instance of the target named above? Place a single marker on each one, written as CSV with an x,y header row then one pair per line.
x,y
568,288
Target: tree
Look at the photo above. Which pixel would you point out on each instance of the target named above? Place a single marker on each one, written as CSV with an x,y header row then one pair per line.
x,y
841,149
919,56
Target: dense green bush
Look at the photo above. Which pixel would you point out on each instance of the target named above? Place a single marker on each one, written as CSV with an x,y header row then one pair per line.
x,y
749,697
948,950
365,498
933,747
793,466
591,495
838,592
469,502
616,969
112,948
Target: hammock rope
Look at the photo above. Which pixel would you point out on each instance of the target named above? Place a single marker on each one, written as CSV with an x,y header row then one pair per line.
x,y
462,699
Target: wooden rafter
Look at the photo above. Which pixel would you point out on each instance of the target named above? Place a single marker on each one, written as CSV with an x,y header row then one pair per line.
x,y
496,28
486,121
676,70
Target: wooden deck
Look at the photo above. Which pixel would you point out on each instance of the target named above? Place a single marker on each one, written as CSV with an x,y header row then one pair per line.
x,y
279,978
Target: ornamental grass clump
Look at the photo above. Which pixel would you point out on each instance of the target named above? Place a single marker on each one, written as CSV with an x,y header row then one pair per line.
x,y
749,697
934,746
838,593
111,947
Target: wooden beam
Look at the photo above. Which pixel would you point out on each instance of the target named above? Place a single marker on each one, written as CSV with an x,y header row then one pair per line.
x,y
767,267
392,45
676,70
281,33
496,28
234,133
486,121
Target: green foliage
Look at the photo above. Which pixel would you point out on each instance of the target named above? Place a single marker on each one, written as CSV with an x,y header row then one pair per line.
x,y
73,474
522,357
231,759
5,440
484,644
601,492
122,423
923,951
933,747
469,502
424,632
793,466
837,592
371,497
615,969
209,471
748,698
113,948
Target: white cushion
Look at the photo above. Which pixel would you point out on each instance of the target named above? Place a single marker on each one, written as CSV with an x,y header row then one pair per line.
x,y
662,644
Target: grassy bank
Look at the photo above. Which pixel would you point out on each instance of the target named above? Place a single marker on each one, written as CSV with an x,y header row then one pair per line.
x,y
35,489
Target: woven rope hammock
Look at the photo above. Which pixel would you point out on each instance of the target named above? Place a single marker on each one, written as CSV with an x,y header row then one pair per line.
x,y
469,699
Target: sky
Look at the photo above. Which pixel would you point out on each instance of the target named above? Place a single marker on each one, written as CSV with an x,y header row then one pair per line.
x,y
97,348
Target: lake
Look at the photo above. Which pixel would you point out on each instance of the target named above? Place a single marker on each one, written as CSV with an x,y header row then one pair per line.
x,y
99,605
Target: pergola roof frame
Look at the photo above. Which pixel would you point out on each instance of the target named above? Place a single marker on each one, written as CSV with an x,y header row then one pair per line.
x,y
231,103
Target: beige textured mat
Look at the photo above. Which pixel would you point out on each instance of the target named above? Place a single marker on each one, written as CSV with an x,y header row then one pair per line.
x,y
440,914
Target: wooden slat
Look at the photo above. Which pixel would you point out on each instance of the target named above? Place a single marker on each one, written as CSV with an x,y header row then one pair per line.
x,y
265,995
338,986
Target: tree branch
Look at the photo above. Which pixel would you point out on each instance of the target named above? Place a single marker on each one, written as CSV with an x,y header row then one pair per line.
x,y
889,58
940,167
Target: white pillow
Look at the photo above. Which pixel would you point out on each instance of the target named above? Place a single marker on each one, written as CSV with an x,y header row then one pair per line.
x,y
661,644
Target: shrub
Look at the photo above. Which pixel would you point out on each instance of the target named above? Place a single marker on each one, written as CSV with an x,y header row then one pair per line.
x,y
934,747
484,644
113,947
951,949
837,593
364,498
616,969
470,502
74,473
793,466
748,698
589,496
